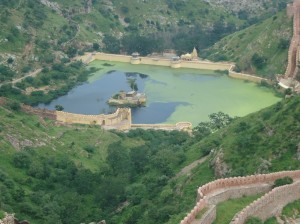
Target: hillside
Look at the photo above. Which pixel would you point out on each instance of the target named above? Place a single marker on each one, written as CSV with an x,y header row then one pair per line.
x,y
260,49
38,33
74,165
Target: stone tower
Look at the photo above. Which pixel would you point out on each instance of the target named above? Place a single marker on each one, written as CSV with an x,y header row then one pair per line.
x,y
194,54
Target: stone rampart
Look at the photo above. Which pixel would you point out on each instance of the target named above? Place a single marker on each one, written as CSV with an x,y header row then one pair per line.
x,y
224,189
209,216
180,126
270,204
247,77
121,119
111,57
293,53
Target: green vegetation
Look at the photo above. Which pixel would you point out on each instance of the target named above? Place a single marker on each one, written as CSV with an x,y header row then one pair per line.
x,y
35,34
49,84
81,173
253,220
226,210
130,177
260,49
292,210
91,172
282,181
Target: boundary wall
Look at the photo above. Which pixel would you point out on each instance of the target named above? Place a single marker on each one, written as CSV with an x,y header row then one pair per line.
x,y
248,77
293,10
270,204
87,58
122,115
180,126
224,189
205,65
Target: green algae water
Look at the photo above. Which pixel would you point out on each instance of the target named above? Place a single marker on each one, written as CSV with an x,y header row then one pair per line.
x,y
173,95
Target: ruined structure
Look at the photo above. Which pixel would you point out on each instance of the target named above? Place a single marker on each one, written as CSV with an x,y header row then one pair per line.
x,y
210,194
130,99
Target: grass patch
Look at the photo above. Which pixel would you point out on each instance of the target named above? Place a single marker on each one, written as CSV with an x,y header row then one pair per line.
x,y
226,210
292,209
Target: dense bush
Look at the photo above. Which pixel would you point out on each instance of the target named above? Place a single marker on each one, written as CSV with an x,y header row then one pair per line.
x,y
282,181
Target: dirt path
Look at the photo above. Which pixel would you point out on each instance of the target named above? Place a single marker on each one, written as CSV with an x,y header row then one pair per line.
x,y
187,170
31,74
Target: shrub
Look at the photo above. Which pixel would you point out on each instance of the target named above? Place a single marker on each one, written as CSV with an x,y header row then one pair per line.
x,y
14,105
282,181
258,61
253,220
21,160
89,148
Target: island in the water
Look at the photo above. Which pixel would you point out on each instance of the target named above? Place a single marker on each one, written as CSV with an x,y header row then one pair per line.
x,y
128,99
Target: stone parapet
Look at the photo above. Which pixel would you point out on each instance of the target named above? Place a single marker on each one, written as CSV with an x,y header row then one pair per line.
x,y
224,189
270,204
110,120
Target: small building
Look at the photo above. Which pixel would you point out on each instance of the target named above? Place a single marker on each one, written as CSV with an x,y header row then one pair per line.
x,y
191,56
135,55
129,99
175,58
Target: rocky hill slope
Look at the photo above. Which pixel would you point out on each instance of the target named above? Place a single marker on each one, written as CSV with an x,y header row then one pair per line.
x,y
36,33
260,49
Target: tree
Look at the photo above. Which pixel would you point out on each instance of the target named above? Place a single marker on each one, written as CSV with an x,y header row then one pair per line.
x,y
258,61
10,60
22,160
112,44
59,107
96,46
132,83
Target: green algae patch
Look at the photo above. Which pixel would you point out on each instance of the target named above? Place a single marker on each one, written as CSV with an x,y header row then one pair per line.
x,y
197,92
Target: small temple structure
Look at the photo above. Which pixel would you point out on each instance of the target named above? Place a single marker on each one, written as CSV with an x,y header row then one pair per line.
x,y
190,56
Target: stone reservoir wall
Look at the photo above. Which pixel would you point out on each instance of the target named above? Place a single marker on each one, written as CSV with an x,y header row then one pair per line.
x,y
224,189
122,115
157,61
247,77
204,65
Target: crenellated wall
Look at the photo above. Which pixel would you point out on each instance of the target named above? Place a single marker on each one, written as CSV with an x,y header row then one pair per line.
x,y
270,204
223,189
293,10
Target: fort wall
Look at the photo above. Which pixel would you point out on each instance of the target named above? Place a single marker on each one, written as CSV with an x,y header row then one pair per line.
x,y
270,204
209,216
235,187
247,77
293,10
121,116
180,126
